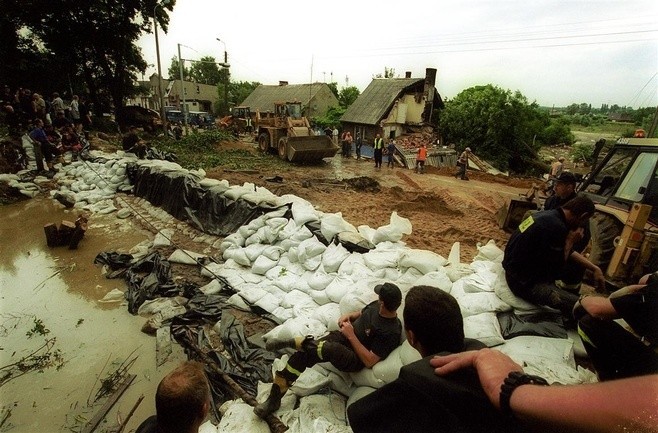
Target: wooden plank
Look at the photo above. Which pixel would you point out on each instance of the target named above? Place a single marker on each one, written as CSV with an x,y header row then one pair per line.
x,y
91,426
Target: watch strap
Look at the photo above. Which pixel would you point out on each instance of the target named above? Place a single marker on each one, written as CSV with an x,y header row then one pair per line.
x,y
513,380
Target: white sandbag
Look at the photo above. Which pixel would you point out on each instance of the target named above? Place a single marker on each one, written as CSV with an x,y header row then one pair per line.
x,y
320,413
502,290
348,264
296,327
272,252
312,263
207,427
235,192
214,286
269,302
153,306
367,232
295,297
484,327
240,418
391,274
238,301
233,238
286,282
489,251
237,254
251,293
302,234
338,288
259,237
246,231
253,251
456,271
309,248
288,230
262,265
333,223
185,257
436,279
114,295
320,296
394,231
389,368
378,259
277,223
355,301
320,280
328,314
423,260
358,394
333,257
479,282
310,381
483,302
409,278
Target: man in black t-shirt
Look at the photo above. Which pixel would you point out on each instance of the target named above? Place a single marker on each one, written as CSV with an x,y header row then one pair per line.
x,y
538,250
365,338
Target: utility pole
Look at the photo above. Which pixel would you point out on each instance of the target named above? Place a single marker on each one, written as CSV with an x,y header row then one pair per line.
x,y
157,51
182,86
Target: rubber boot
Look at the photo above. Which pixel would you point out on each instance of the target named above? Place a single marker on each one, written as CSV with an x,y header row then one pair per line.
x,y
279,387
294,343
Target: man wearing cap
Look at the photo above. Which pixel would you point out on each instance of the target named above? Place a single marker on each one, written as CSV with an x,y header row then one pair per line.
x,y
565,190
365,338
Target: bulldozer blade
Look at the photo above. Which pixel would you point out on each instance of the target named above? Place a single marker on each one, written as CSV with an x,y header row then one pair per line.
x,y
310,148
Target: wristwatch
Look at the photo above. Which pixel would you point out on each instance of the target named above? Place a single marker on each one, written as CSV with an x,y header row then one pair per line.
x,y
513,381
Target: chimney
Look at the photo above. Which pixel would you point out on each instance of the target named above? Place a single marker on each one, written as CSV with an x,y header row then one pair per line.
x,y
407,74
283,83
428,93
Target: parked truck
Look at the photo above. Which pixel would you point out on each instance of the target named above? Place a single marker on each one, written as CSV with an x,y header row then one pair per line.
x,y
290,135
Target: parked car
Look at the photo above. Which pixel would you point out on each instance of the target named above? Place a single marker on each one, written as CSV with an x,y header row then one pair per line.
x,y
140,117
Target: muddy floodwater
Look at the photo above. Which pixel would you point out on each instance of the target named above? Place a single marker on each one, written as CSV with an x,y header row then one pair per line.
x,y
54,293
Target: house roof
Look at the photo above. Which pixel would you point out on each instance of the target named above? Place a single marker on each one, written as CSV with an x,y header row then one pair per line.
x,y
373,104
264,96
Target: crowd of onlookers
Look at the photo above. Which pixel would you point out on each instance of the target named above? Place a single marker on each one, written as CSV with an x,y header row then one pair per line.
x,y
54,126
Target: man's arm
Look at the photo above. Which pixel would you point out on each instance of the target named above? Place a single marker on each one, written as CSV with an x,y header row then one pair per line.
x,y
366,356
597,274
349,317
614,406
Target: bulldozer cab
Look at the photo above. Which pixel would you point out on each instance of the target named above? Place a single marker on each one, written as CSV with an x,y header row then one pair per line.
x,y
627,175
288,109
241,112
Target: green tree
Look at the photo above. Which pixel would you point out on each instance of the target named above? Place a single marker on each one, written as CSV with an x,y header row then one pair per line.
x,y
348,95
174,70
334,89
206,71
331,119
95,44
498,125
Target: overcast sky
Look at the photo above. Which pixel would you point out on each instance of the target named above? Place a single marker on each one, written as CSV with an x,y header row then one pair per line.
x,y
555,52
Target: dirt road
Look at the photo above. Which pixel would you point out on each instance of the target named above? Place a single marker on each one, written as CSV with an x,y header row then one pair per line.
x,y
442,209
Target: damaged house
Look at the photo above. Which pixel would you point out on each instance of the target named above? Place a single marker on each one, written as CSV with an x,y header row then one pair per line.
x,y
316,98
393,107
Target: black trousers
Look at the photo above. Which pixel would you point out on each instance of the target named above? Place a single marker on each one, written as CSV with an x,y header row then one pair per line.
x,y
378,157
543,293
615,352
333,348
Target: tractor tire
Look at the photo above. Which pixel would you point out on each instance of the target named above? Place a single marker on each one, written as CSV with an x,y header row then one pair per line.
x,y
283,148
264,142
604,229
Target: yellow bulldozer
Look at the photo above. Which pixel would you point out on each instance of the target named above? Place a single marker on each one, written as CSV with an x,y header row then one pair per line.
x,y
288,133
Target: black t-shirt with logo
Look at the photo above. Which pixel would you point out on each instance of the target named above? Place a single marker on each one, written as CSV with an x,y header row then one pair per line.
x,y
378,334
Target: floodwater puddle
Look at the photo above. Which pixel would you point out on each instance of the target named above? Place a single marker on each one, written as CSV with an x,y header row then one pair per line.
x,y
52,293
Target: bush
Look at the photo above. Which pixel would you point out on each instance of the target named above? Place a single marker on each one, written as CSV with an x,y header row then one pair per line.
x,y
581,152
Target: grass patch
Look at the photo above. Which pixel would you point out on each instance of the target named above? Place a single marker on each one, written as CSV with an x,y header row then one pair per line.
x,y
205,150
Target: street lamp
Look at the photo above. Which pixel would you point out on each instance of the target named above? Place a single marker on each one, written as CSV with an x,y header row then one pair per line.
x,y
157,50
226,76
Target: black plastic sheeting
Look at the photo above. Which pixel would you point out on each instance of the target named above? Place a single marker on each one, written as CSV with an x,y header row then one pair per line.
x,y
150,278
249,364
543,324
181,196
